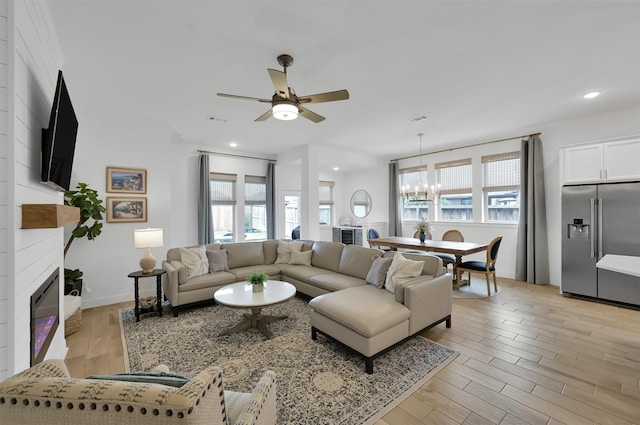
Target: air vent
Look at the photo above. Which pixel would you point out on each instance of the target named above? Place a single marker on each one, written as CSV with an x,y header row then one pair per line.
x,y
416,119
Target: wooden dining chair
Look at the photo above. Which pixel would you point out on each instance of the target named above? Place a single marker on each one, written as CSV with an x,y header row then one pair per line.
x,y
488,268
454,236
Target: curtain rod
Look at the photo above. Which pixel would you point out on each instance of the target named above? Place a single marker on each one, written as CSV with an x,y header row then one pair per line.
x,y
467,146
232,155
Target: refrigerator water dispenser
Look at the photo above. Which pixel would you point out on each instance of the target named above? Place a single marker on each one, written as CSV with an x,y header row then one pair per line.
x,y
578,230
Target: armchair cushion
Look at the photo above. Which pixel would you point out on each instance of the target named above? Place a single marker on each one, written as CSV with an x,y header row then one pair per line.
x,y
163,378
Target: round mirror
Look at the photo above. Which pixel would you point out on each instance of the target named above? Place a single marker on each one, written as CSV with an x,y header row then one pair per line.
x,y
360,203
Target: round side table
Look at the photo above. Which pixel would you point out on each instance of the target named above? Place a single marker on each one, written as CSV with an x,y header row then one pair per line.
x,y
137,275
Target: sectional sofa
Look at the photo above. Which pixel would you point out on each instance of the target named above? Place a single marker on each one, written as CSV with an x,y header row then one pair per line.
x,y
347,305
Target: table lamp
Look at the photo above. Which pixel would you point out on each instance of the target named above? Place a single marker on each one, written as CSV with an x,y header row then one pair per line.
x,y
147,239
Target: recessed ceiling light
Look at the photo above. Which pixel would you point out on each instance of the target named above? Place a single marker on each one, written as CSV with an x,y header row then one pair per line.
x,y
336,168
591,94
233,144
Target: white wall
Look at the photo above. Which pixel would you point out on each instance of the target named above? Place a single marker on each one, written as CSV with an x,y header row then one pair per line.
x,y
31,52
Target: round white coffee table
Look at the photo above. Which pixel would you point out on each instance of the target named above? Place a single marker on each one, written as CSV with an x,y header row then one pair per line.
x,y
241,295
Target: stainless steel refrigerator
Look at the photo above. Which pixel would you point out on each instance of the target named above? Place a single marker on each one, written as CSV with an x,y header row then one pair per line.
x,y
598,220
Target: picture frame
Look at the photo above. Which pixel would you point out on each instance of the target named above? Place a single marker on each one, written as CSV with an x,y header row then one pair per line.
x,y
126,180
126,209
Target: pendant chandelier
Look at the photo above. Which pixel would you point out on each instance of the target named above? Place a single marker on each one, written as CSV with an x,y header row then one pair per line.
x,y
420,193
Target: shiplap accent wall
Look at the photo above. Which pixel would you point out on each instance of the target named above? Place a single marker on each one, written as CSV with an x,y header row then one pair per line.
x,y
30,255
4,327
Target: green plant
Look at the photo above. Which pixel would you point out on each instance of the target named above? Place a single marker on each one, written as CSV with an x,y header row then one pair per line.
x,y
89,226
257,278
424,225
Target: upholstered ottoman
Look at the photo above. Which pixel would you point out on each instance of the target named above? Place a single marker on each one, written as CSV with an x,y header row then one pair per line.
x,y
365,318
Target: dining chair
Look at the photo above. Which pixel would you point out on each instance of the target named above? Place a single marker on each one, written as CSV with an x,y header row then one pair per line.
x,y
454,236
488,268
373,234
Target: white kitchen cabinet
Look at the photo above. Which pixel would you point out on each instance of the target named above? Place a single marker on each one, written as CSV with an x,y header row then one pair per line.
x,y
602,162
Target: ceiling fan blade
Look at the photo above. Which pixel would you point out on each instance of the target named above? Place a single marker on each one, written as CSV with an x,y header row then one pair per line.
x,y
331,96
310,115
264,116
279,79
235,96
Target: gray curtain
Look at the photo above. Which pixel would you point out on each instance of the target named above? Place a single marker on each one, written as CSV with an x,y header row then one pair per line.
x,y
271,202
532,250
395,218
205,220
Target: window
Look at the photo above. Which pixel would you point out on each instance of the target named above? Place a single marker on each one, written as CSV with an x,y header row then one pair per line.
x,y
255,208
454,178
501,186
412,178
223,203
326,202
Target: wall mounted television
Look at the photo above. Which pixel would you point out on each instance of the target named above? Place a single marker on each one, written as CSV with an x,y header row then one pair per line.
x,y
59,140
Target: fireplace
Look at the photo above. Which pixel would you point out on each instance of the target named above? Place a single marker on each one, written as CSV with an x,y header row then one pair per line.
x,y
45,316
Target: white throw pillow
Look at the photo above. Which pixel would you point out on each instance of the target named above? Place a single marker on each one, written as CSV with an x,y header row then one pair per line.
x,y
302,258
195,260
401,269
284,251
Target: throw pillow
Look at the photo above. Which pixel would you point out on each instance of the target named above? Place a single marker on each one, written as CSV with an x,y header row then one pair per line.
x,y
401,269
378,271
195,260
163,378
284,251
218,260
301,257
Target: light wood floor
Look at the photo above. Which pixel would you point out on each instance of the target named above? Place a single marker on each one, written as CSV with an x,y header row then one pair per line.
x,y
527,356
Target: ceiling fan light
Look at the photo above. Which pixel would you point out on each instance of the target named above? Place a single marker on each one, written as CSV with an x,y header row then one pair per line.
x,y
285,111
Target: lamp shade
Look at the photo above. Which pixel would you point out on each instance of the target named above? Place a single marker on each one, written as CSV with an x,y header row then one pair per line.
x,y
147,238
285,111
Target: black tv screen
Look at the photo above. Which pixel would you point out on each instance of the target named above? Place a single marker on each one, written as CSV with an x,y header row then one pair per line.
x,y
59,140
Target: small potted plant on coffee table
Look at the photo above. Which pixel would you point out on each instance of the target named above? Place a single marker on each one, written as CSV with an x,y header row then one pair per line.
x,y
257,281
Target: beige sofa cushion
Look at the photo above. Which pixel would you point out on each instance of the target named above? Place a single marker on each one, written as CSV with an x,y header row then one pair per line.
x,y
355,307
244,254
326,255
335,282
357,260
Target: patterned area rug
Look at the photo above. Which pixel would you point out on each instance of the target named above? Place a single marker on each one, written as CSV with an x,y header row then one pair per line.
x,y
319,382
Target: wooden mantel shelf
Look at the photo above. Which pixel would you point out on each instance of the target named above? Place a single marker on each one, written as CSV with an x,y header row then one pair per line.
x,y
48,216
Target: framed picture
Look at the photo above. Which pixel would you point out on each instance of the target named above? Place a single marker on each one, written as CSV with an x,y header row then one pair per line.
x,y
126,180
126,210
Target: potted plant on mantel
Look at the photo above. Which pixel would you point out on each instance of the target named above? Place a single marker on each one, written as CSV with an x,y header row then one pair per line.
x,y
257,281
89,226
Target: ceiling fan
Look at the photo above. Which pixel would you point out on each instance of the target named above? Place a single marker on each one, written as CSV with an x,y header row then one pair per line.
x,y
285,104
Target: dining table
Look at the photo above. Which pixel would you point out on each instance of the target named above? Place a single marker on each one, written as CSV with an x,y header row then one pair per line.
x,y
457,249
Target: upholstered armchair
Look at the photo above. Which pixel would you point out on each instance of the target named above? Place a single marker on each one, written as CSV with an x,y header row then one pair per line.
x,y
47,394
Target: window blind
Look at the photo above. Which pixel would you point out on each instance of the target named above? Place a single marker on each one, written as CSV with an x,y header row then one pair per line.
x,y
255,190
501,171
223,188
454,176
